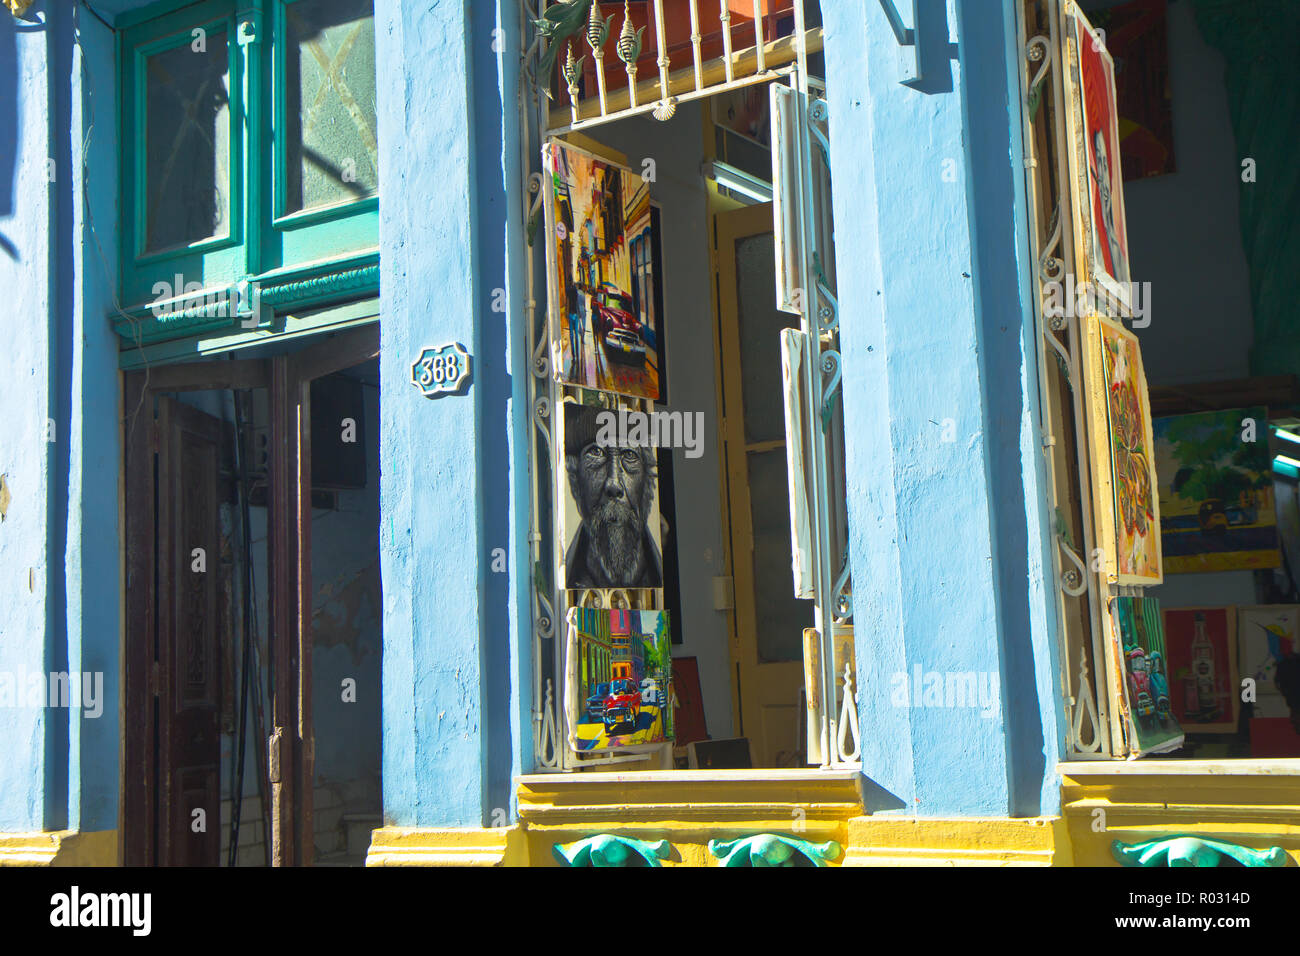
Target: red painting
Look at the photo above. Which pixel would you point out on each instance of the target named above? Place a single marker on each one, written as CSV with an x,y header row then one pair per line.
x,y
1102,147
1202,668
1136,36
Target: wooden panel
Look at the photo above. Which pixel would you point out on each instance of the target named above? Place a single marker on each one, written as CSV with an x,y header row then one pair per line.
x,y
306,740
189,673
1276,391
283,613
766,692
137,739
336,353
199,376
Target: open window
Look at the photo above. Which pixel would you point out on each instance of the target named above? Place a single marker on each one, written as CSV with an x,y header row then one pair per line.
x,y
692,589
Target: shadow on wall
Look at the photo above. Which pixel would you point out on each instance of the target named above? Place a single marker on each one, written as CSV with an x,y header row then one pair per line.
x,y
8,124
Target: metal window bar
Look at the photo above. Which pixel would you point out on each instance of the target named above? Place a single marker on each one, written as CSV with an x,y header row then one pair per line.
x,y
838,733
1044,64
738,67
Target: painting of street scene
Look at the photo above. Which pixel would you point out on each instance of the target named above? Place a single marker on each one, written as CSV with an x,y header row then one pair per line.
x,y
625,678
604,330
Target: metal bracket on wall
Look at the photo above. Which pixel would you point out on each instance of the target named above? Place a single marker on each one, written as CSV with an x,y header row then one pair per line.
x,y
909,64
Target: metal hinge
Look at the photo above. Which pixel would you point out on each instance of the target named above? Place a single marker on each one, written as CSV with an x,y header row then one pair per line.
x,y
273,755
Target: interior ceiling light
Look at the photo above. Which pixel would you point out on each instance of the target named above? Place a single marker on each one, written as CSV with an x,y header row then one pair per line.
x,y
739,181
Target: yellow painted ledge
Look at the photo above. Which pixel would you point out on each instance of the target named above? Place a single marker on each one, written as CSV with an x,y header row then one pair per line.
x,y
417,846
688,808
1250,803
999,841
59,848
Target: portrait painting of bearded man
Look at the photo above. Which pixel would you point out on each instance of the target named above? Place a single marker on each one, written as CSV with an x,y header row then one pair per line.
x,y
611,525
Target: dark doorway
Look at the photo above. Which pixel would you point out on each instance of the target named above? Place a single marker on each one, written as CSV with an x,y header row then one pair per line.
x,y
225,522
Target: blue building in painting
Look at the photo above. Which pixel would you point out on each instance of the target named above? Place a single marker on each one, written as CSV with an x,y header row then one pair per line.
x,y
297,443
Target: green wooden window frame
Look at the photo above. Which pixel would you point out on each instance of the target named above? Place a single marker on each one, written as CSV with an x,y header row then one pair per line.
x,y
290,258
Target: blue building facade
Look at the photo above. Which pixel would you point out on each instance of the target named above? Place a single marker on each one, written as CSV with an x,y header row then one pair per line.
x,y
423,568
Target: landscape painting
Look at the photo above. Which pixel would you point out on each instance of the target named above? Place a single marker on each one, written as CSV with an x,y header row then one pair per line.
x,y
600,263
1217,511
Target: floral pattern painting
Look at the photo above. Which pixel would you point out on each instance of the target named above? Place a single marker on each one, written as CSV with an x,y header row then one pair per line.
x,y
1137,514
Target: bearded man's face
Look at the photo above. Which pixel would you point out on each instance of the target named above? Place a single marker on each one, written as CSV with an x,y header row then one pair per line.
x,y
614,493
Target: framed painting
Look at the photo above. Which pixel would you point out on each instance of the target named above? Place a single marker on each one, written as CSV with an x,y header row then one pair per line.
x,y
1152,726
622,661
1136,37
1214,473
1093,127
1202,665
1266,635
1127,507
599,261
610,528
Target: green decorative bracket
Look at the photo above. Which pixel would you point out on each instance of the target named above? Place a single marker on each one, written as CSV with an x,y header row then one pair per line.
x,y
1193,851
609,850
773,849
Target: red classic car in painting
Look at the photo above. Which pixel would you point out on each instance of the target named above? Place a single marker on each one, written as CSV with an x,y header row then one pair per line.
x,y
617,327
623,705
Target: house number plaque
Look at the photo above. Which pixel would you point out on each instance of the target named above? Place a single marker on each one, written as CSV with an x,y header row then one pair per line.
x,y
442,370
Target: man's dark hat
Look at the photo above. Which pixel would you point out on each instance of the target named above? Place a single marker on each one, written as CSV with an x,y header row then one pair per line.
x,y
580,427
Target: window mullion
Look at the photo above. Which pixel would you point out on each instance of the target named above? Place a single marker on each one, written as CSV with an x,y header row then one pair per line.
x,y
253,42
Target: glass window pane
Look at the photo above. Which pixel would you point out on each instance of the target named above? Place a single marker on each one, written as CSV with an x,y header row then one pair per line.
x,y
781,617
760,338
187,132
329,102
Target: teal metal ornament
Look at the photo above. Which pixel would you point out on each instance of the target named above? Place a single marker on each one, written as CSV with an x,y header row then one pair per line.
x,y
606,849
1193,851
773,849
558,24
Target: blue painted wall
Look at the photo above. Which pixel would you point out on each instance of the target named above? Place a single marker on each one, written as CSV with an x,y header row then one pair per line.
x,y
452,720
94,527
26,203
947,535
60,539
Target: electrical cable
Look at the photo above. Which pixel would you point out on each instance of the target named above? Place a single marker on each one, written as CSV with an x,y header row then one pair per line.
x,y
237,794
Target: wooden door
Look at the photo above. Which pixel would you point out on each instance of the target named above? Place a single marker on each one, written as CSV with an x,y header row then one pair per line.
x,y
172,741
189,670
767,621
294,745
